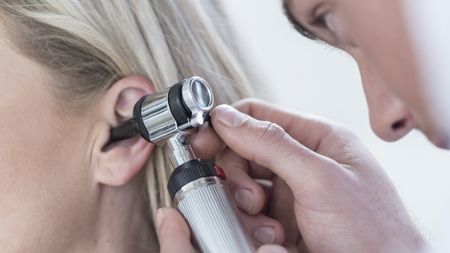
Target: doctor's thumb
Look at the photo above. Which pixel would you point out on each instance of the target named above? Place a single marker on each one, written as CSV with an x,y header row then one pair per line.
x,y
264,142
173,232
271,249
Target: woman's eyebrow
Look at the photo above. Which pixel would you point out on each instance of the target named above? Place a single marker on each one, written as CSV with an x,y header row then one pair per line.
x,y
297,24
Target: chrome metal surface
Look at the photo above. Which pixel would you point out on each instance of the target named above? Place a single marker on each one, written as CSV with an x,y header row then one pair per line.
x,y
201,182
204,202
179,150
207,206
198,96
157,118
157,115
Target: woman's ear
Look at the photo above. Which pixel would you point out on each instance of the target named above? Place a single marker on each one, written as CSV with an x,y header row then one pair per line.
x,y
115,164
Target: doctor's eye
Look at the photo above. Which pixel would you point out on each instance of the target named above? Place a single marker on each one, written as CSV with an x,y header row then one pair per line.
x,y
331,31
325,21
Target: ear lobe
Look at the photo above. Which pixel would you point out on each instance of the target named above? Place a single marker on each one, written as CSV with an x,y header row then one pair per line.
x,y
118,162
121,161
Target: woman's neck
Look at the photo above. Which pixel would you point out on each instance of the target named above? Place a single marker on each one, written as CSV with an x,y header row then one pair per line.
x,y
121,223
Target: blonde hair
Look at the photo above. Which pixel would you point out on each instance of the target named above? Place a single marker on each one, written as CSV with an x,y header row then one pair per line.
x,y
88,45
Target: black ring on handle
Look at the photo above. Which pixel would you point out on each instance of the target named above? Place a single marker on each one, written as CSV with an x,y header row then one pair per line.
x,y
189,172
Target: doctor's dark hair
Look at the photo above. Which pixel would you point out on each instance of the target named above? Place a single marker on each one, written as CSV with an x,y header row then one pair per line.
x,y
88,45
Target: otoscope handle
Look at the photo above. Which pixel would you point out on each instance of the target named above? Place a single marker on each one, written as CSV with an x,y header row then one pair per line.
x,y
199,194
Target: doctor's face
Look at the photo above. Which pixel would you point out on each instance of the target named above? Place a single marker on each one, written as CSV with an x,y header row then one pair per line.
x,y
375,34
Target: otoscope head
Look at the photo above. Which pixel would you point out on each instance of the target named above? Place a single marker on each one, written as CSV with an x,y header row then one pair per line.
x,y
184,106
195,185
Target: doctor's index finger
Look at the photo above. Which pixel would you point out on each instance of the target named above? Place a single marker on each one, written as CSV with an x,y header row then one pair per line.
x,y
315,133
309,130
268,145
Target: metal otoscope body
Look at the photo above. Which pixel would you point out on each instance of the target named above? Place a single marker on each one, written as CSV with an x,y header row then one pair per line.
x,y
196,186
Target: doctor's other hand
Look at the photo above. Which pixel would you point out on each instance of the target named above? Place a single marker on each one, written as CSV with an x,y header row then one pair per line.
x,y
173,232
315,177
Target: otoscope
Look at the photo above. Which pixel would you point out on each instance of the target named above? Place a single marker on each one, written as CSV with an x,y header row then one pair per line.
x,y
196,186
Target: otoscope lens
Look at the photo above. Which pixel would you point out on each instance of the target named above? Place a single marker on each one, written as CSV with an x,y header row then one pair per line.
x,y
201,94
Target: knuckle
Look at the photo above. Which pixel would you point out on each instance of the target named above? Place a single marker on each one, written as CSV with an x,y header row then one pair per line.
x,y
339,132
272,133
344,133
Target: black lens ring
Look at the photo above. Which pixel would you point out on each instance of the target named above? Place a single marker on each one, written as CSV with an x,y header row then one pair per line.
x,y
178,108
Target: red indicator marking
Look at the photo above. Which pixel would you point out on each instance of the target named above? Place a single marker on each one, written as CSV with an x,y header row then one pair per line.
x,y
220,172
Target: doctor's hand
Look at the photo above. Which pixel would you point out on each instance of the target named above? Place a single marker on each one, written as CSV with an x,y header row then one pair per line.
x,y
313,176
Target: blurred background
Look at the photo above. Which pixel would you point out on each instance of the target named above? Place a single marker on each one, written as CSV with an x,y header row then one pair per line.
x,y
315,78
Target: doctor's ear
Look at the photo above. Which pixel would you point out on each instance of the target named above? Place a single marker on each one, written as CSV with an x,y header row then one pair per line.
x,y
115,164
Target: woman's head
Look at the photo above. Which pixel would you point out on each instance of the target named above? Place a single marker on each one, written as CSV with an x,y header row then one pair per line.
x,y
376,35
69,71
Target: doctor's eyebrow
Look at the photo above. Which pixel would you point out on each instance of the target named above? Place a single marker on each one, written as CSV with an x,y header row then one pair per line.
x,y
296,24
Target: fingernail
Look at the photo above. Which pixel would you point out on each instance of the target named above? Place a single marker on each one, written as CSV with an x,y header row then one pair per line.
x,y
159,217
244,198
265,234
272,249
229,116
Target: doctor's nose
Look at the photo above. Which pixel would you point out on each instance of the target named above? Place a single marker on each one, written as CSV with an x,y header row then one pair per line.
x,y
392,122
389,117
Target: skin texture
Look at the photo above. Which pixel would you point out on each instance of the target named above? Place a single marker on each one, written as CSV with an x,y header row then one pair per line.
x,y
61,188
55,182
321,177
61,191
375,34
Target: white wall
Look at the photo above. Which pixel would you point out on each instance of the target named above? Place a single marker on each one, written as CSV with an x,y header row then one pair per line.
x,y
314,78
